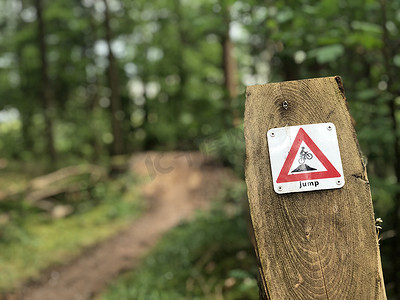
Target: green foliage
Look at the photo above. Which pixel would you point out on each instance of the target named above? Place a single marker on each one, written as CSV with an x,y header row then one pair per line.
x,y
10,133
28,235
170,61
208,258
229,146
327,54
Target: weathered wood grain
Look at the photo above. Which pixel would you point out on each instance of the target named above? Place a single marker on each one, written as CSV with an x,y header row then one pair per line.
x,y
313,245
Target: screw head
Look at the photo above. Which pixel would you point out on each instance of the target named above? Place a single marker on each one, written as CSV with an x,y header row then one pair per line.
x,y
280,188
338,182
272,134
329,127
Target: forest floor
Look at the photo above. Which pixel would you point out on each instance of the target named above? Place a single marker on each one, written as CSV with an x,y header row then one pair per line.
x,y
175,185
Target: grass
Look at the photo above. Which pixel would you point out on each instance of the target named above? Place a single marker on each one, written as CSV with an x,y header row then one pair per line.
x,y
210,257
32,241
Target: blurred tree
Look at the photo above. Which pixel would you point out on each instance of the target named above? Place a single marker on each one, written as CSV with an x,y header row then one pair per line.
x,y
113,79
45,84
229,65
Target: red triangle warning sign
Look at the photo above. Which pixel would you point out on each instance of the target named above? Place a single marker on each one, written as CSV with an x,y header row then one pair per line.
x,y
285,176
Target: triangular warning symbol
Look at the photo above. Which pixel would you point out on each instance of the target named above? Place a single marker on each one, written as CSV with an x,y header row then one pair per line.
x,y
284,175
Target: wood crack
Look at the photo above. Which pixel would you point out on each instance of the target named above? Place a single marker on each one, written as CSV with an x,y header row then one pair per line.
x,y
340,86
361,177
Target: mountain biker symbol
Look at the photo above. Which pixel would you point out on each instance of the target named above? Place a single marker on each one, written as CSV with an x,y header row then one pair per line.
x,y
304,156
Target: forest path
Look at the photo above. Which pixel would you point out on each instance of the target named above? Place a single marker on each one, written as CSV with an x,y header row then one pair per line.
x,y
178,184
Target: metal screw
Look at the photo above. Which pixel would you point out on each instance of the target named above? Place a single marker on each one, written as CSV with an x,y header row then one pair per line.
x,y
279,188
272,134
329,127
338,182
285,104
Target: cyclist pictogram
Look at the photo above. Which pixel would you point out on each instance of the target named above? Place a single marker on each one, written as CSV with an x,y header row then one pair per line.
x,y
312,161
304,155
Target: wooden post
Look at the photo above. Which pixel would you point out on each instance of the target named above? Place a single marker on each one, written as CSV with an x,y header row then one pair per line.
x,y
319,244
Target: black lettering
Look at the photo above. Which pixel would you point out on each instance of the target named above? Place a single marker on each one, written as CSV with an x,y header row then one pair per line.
x,y
305,184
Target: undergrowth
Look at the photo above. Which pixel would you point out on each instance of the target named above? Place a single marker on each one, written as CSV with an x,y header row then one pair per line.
x,y
31,240
210,257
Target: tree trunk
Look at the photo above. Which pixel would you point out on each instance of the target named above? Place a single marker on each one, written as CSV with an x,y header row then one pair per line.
x,y
46,89
25,108
230,70
113,78
180,62
92,88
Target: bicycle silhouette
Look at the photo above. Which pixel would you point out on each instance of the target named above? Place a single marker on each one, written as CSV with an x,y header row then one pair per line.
x,y
304,155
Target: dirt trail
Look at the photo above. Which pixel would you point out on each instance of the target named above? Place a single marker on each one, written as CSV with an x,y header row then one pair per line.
x,y
178,184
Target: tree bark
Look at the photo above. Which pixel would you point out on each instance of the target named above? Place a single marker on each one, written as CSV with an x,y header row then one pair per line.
x,y
46,88
113,79
319,244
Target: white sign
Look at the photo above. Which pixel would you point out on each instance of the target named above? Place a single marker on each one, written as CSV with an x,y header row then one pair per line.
x,y
305,158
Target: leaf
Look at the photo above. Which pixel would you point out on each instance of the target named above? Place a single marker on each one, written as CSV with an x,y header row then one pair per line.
x,y
396,60
368,41
367,94
366,27
327,53
284,15
329,8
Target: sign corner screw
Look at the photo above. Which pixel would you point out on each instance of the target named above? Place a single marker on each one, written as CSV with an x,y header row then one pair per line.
x,y
329,127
